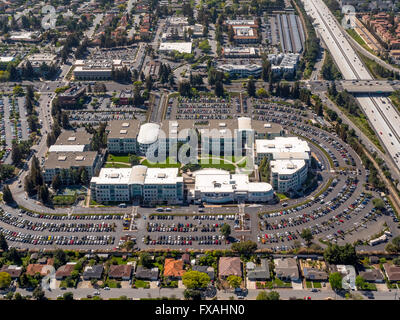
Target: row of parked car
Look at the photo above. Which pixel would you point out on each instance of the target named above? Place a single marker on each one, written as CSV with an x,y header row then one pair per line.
x,y
22,223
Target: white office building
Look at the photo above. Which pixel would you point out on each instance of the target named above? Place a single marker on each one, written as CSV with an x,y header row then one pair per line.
x,y
289,159
288,175
148,185
219,186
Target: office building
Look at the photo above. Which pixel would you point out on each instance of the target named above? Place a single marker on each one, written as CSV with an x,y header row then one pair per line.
x,y
147,185
122,136
219,186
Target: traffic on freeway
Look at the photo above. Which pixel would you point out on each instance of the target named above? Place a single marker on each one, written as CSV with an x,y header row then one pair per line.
x,y
379,110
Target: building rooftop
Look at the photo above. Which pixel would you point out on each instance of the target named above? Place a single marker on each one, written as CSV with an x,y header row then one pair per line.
x,y
66,160
74,138
123,129
286,166
221,181
162,176
148,133
181,47
282,144
123,176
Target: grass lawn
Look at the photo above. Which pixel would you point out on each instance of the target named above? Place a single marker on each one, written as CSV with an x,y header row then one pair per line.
x,y
115,158
214,163
308,284
353,33
317,285
117,165
281,196
141,284
64,200
167,164
283,284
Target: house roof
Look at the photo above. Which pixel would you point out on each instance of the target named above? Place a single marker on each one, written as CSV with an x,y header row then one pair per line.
x,y
65,270
315,274
392,272
120,271
145,273
173,268
372,275
34,268
93,271
286,268
12,270
259,271
229,266
205,269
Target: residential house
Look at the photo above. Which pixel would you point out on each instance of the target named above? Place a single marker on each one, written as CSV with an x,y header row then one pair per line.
x,y
173,269
65,270
13,270
42,269
120,272
205,269
258,272
392,272
315,274
228,266
287,269
93,272
349,276
372,275
143,273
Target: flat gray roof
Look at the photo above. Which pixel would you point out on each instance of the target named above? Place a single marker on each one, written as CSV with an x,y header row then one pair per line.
x,y
70,137
65,160
122,129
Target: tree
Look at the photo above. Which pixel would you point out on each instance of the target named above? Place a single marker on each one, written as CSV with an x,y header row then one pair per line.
x,y
68,296
234,281
336,254
226,230
134,159
145,260
7,195
307,235
191,294
360,282
263,295
251,87
56,183
5,280
38,294
43,194
262,93
3,243
273,295
378,204
246,248
195,280
219,89
335,280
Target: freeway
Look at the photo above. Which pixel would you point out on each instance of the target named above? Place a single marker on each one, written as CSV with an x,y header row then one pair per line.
x,y
380,112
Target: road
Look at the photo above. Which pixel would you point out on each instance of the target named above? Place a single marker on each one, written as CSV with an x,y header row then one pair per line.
x,y
370,55
380,112
361,136
285,294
